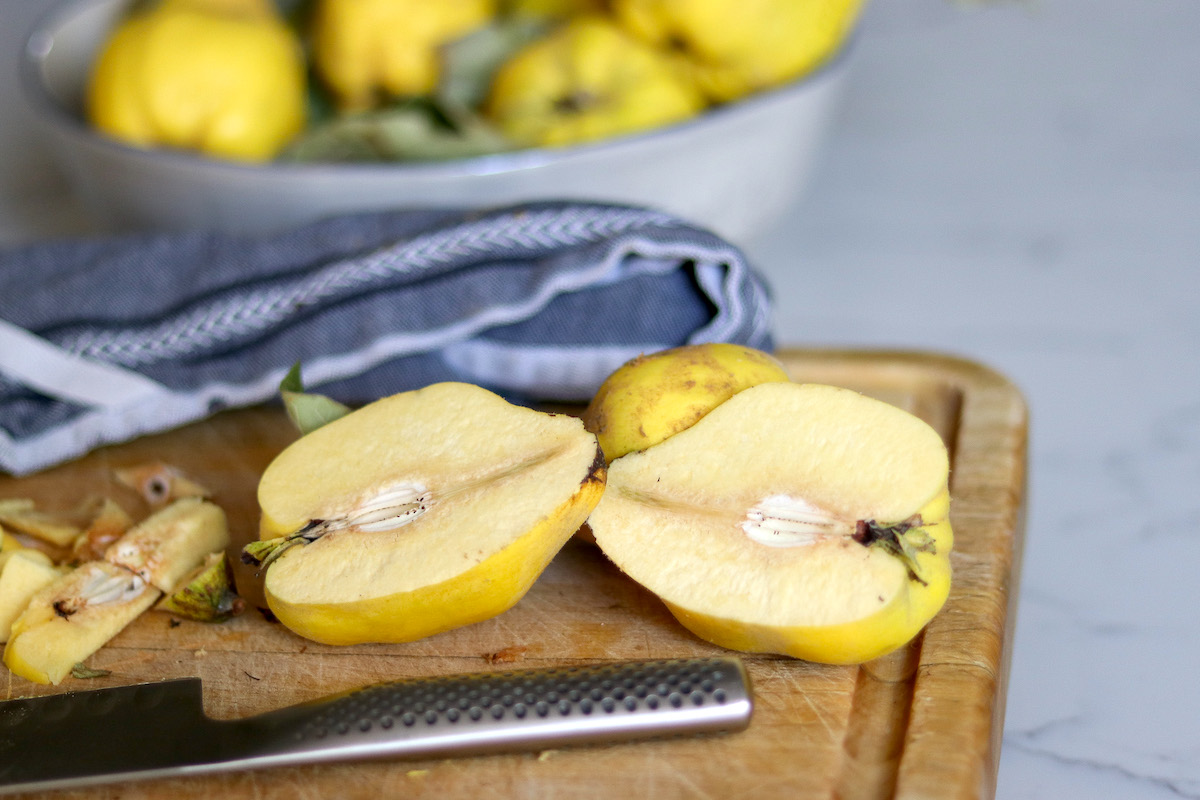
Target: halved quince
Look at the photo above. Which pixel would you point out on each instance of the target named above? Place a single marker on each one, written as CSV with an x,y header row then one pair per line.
x,y
793,518
419,513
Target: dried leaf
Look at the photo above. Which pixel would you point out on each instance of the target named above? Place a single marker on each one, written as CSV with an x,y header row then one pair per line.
x,y
413,129
469,63
506,655
83,671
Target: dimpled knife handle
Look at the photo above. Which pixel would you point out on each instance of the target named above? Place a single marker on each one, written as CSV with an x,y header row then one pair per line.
x,y
525,709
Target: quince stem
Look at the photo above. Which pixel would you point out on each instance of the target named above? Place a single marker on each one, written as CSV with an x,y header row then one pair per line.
x,y
263,553
902,540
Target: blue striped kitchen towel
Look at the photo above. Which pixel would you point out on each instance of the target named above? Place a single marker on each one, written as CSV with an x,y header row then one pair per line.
x,y
107,338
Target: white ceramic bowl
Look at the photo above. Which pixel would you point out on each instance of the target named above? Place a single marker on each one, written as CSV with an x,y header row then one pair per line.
x,y
734,169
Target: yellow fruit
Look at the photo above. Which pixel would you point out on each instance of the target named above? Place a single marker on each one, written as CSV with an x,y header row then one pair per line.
x,y
365,50
419,513
794,518
584,81
20,514
8,542
735,47
72,617
656,396
22,573
168,545
552,9
221,77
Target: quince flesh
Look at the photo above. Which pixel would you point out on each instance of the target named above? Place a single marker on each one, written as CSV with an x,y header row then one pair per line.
x,y
419,513
587,80
23,572
366,50
794,518
222,77
73,616
168,545
653,397
736,47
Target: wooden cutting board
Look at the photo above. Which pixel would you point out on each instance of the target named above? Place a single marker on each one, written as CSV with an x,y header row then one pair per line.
x,y
921,723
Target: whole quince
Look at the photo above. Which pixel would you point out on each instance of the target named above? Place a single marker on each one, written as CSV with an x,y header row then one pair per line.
x,y
222,77
653,397
365,50
588,80
736,47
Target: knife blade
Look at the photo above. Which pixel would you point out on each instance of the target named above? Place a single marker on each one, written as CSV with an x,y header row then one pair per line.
x,y
160,729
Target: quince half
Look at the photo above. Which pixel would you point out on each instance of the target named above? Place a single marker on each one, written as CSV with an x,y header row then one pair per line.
x,y
652,397
799,519
735,47
588,80
420,512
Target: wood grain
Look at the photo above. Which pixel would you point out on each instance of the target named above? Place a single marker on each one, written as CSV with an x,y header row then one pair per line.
x,y
924,722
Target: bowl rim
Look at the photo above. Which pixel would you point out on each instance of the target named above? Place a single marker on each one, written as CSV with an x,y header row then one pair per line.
x,y
39,39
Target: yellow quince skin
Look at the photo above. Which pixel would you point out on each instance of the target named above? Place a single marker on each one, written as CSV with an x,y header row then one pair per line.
x,y
736,47
222,77
369,50
655,396
588,80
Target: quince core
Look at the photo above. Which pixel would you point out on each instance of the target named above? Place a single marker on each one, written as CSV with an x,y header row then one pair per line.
x,y
793,518
420,512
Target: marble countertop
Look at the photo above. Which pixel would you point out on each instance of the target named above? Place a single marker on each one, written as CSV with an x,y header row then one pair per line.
x,y
1017,183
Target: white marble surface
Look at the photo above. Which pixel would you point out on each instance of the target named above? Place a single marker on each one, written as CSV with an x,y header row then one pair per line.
x,y
1017,183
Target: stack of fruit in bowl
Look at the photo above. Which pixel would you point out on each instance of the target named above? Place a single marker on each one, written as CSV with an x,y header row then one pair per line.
x,y
380,80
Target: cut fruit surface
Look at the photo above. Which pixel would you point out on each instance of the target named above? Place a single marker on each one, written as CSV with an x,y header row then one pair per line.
x,y
22,573
793,518
72,617
169,544
420,512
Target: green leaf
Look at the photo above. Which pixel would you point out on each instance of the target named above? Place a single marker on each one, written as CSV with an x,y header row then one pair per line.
x,y
468,63
413,129
308,411
80,670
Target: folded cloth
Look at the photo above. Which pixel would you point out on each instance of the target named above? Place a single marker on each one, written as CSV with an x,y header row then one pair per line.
x,y
104,339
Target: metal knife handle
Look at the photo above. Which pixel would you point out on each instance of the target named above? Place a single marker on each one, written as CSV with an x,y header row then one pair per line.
x,y
487,712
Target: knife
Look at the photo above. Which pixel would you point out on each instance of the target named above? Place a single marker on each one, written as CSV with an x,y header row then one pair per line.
x,y
155,730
